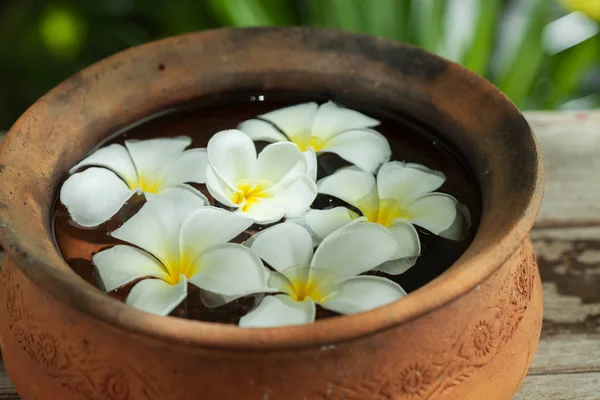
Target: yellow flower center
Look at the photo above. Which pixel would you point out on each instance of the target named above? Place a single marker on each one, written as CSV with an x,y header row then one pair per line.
x,y
250,192
314,283
177,266
148,185
388,211
316,143
305,289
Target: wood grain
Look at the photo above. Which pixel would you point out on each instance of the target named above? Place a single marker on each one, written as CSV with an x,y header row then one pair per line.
x,y
566,240
569,143
560,387
7,392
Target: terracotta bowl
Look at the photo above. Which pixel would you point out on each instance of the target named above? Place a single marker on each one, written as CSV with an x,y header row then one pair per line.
x,y
469,334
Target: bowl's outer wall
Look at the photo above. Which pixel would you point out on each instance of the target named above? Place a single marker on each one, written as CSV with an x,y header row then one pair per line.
x,y
181,355
477,347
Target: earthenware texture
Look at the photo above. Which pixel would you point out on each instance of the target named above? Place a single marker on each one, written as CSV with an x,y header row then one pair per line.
x,y
469,334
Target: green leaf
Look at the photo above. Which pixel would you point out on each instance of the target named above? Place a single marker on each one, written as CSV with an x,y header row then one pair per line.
x,y
478,56
252,12
427,23
570,69
528,59
338,14
388,18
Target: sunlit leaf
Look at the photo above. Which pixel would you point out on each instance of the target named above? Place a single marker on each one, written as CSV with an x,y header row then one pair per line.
x,y
389,18
427,23
570,69
251,12
527,60
589,7
477,58
62,32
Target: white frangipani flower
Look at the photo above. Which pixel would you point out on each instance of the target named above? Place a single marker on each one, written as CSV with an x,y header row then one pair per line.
x,y
266,188
328,277
179,241
154,167
400,197
325,128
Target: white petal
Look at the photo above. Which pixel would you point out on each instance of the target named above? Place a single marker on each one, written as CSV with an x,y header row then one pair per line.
x,y
363,293
261,130
119,265
157,296
295,199
265,211
332,119
353,186
207,227
325,222
279,310
406,181
188,167
312,165
283,246
232,156
181,195
435,212
230,270
409,248
280,282
364,148
114,157
295,121
94,196
213,300
155,228
219,189
277,160
302,222
355,248
461,225
149,156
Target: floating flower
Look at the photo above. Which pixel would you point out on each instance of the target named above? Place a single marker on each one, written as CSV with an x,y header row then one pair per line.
x,y
179,241
153,167
325,128
266,188
328,277
399,197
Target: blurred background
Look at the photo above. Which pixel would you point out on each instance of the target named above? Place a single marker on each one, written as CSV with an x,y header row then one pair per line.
x,y
544,54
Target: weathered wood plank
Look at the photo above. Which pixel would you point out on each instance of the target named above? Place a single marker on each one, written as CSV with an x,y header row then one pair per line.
x,y
7,391
569,261
567,353
570,143
585,386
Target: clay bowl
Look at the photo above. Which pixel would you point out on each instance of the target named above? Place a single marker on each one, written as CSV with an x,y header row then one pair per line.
x,y
469,334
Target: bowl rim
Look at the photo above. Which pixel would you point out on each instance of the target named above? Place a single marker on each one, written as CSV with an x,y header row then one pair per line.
x,y
68,288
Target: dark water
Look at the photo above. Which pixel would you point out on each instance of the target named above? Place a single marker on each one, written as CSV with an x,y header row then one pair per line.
x,y
409,140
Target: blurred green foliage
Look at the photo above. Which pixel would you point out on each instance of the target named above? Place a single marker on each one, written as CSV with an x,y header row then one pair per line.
x,y
44,42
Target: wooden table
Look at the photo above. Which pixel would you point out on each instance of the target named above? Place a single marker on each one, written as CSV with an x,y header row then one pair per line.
x,y
566,239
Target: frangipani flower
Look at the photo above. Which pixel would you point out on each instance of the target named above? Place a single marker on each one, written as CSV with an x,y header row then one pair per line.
x,y
179,241
154,167
328,277
325,128
399,197
266,188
